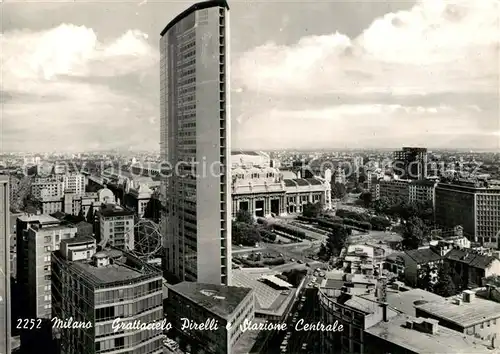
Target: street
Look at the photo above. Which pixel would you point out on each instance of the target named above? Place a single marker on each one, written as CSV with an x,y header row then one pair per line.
x,y
295,340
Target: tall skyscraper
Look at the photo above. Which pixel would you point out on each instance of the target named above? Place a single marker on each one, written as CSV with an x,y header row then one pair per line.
x,y
196,143
4,266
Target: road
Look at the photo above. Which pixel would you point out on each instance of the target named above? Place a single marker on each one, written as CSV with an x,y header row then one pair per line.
x,y
302,310
303,341
247,250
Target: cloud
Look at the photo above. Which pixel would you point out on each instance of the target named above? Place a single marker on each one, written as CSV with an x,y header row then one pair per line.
x,y
55,84
425,76
437,46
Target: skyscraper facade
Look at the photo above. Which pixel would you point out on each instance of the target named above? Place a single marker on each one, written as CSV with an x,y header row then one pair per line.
x,y
195,143
4,266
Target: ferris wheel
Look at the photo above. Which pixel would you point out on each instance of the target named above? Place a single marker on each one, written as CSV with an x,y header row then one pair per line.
x,y
147,239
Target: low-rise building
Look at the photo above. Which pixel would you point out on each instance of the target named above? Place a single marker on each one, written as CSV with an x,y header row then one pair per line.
x,y
363,259
214,305
420,261
274,297
411,335
472,266
465,313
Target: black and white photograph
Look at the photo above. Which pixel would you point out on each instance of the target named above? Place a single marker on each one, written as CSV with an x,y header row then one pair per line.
x,y
250,177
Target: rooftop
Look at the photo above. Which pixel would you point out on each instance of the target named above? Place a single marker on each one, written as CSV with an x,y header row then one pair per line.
x,y
470,257
404,301
108,274
218,299
113,210
444,341
123,268
76,240
466,314
423,255
42,218
249,153
50,227
302,182
194,8
268,300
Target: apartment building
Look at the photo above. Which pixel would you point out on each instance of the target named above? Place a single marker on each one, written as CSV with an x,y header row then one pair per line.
x,y
99,287
42,241
475,205
116,226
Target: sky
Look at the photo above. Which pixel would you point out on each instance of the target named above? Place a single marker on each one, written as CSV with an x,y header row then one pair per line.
x,y
79,76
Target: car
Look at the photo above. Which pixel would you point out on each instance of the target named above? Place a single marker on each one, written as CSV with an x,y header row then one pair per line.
x,y
300,261
304,346
292,259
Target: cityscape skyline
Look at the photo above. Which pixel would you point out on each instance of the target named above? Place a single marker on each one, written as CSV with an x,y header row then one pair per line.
x,y
71,68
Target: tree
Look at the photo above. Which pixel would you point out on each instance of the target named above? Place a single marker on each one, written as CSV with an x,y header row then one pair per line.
x,y
244,216
413,233
366,197
379,223
424,280
311,210
337,239
295,276
382,205
90,216
245,234
445,286
339,190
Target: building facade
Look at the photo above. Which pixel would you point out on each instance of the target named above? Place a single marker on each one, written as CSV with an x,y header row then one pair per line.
x,y
5,298
98,287
196,138
42,241
23,224
116,226
411,191
411,163
208,302
264,192
472,204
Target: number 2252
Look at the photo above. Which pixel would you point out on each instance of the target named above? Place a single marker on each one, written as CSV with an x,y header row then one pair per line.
x,y
28,324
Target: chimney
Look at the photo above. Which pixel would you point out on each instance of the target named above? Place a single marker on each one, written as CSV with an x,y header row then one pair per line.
x,y
494,341
431,326
384,311
468,296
